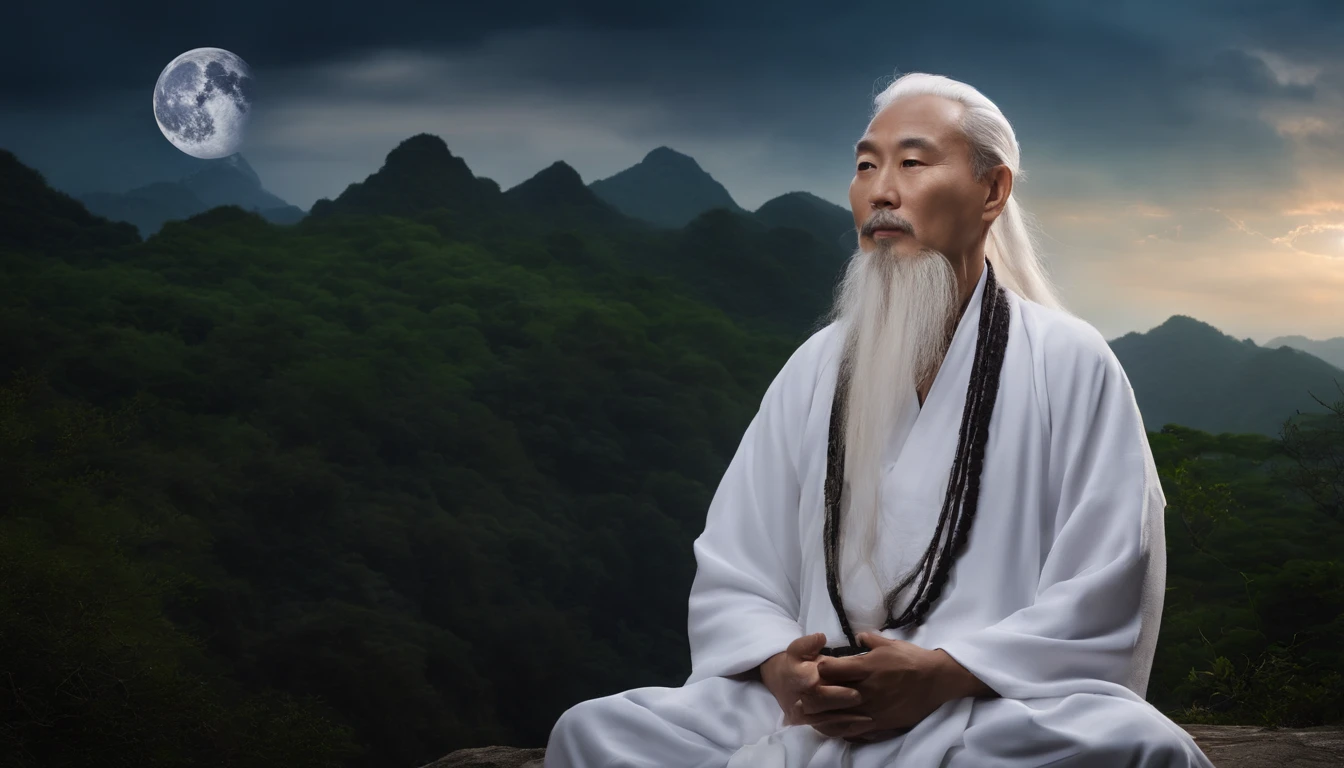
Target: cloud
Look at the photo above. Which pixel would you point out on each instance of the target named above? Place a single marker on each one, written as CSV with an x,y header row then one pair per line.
x,y
1211,137
1287,73
1319,239
1122,269
109,49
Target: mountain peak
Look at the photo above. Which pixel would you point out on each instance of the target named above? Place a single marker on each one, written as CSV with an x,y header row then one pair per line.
x,y
558,184
1188,372
802,197
33,215
803,201
234,165
560,174
670,158
1329,350
423,156
1191,343
827,222
556,197
227,181
1186,324
418,175
420,150
666,188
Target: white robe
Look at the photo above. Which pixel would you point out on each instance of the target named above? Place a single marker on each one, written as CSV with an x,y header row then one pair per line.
x,y
1054,603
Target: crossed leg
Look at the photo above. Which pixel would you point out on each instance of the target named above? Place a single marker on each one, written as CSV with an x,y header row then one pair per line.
x,y
699,725
708,723
1084,729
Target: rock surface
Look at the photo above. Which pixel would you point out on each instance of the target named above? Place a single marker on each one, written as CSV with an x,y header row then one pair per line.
x,y
491,757
1251,746
1228,746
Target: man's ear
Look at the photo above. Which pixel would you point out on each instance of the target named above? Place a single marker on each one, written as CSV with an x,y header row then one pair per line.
x,y
1000,187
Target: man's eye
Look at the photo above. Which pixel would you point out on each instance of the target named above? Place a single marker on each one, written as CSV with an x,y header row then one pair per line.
x,y
865,162
909,160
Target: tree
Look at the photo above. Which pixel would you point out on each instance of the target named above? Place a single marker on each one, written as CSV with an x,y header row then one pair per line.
x,y
1315,442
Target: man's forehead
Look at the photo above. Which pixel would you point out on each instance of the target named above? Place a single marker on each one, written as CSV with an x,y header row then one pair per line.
x,y
920,121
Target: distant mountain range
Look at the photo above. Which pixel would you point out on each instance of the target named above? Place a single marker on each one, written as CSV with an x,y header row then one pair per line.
x,y
1187,372
1330,350
422,179
226,181
669,189
667,215
665,190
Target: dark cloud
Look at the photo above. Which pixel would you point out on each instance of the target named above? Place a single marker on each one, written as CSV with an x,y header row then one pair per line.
x,y
1140,121
1240,73
1157,90
68,49
65,49
1308,27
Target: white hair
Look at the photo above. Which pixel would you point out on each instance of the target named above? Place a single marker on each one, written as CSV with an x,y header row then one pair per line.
x,y
900,311
1011,243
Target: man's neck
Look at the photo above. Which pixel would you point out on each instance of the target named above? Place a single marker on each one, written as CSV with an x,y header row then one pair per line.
x,y
967,279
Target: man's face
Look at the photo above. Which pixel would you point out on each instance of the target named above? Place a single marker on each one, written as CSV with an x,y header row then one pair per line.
x,y
914,166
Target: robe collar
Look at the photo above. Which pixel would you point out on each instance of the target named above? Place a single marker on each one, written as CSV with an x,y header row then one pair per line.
x,y
932,439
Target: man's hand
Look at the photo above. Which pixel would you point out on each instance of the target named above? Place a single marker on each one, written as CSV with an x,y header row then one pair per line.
x,y
898,685
792,677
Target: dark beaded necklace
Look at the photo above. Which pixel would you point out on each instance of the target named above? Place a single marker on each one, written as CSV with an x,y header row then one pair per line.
x,y
963,487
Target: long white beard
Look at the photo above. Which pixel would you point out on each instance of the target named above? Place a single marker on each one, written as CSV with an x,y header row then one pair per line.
x,y
898,311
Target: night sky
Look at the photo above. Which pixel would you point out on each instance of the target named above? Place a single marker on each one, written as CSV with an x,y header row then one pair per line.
x,y
1180,157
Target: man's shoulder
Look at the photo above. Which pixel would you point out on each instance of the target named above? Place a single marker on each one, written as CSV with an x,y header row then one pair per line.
x,y
799,374
1066,344
819,342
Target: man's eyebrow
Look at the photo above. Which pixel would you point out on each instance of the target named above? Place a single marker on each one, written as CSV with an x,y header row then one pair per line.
x,y
908,142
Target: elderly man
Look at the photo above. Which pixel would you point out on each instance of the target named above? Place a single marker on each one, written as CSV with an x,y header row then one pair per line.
x,y
940,542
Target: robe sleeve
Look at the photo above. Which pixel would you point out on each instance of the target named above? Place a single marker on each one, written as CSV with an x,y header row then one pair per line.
x,y
1092,626
744,600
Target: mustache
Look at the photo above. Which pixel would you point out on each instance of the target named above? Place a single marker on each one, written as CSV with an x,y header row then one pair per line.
x,y
887,220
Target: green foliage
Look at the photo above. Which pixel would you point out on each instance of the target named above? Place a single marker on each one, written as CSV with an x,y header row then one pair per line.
x,y
402,474
1312,441
1277,688
93,672
360,492
1251,630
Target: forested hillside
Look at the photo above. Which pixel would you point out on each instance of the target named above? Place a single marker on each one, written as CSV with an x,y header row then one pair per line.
x,y
369,488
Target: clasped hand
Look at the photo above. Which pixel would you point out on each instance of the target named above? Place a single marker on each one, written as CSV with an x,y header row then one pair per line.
x,y
861,698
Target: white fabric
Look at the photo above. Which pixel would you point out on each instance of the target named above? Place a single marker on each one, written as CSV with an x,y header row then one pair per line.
x,y
1055,602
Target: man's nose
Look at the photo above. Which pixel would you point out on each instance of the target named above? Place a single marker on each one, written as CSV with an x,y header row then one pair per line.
x,y
884,195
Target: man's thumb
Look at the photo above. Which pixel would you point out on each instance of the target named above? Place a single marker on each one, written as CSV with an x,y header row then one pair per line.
x,y
875,639
814,643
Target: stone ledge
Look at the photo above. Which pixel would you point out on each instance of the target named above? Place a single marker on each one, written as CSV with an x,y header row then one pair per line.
x,y
1228,746
1252,746
491,757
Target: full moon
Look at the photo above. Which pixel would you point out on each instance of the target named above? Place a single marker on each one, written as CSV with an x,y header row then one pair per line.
x,y
203,100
